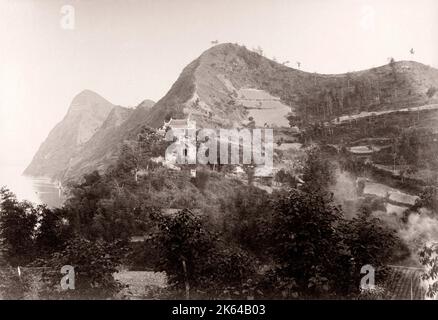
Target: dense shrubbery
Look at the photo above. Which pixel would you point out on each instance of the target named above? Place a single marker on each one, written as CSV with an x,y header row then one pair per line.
x,y
18,220
201,179
43,239
245,216
286,178
294,243
431,92
194,257
298,244
94,263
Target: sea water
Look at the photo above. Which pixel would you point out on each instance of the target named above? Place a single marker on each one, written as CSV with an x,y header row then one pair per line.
x,y
38,190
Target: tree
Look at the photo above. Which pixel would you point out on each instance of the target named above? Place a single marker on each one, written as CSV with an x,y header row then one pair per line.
x,y
293,120
304,239
258,50
201,179
427,199
287,177
84,202
28,231
250,172
18,221
94,264
429,259
394,71
186,247
193,257
245,216
53,232
150,144
135,155
251,123
407,146
431,92
321,252
370,242
318,174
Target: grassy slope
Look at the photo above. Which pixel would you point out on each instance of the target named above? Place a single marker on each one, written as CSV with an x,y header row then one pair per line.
x,y
315,96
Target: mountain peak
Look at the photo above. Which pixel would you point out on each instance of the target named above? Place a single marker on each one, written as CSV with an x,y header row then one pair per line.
x,y
87,112
146,104
224,46
87,96
89,100
224,49
86,92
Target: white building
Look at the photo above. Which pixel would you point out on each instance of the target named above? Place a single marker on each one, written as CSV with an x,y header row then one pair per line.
x,y
178,124
184,149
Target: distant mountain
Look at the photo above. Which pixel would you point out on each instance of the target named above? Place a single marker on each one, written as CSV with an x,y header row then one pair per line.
x,y
87,112
88,138
225,87
103,148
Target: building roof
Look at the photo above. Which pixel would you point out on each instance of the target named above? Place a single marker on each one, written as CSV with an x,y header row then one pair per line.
x,y
178,123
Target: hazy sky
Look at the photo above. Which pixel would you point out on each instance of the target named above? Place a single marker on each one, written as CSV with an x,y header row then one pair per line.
x,y
130,50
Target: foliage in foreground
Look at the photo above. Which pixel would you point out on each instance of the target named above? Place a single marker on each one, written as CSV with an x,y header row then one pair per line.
x,y
295,243
94,264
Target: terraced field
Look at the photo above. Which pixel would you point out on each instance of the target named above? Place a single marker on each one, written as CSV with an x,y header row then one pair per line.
x,y
264,108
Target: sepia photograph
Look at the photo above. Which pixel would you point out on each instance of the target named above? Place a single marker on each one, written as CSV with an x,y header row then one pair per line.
x,y
239,151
